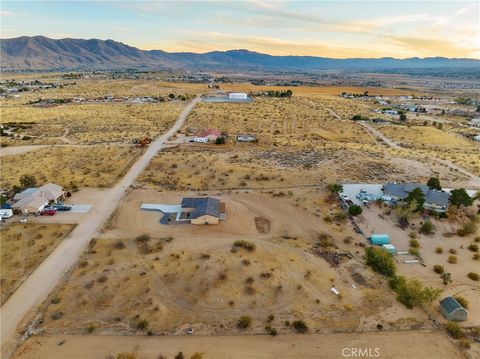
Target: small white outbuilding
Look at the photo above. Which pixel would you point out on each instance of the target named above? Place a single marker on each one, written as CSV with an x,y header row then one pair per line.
x,y
237,96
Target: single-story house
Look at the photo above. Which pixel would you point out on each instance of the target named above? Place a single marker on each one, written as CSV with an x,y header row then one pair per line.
x,y
434,200
453,310
202,210
34,200
210,134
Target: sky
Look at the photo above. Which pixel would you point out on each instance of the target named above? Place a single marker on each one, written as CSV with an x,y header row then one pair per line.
x,y
339,29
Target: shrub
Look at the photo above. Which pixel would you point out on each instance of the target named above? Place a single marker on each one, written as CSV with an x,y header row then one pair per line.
x,y
125,355
473,276
179,356
56,299
249,246
465,343
119,245
414,243
381,261
452,259
463,301
414,252
197,355
437,268
300,326
354,210
270,330
473,247
142,238
244,322
455,330
426,228
56,315
91,328
476,257
467,229
452,251
142,324
439,250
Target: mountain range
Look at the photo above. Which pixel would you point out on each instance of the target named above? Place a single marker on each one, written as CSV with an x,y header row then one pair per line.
x,y
43,53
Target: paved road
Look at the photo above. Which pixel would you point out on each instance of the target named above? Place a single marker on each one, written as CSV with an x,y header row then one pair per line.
x,y
48,274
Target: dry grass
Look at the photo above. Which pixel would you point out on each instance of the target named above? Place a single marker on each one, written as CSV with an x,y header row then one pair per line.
x,y
93,123
23,248
295,122
92,166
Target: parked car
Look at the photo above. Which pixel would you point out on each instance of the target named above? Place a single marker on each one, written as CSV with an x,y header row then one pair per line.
x,y
23,220
48,212
59,207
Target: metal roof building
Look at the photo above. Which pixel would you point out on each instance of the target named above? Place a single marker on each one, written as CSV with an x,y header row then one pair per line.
x,y
452,309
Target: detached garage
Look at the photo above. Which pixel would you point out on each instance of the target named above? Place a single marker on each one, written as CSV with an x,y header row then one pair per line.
x,y
453,310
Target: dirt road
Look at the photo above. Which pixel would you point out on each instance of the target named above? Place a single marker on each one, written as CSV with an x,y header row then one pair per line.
x,y
41,282
421,344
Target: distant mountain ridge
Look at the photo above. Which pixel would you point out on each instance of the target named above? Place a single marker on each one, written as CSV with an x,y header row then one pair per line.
x,y
43,53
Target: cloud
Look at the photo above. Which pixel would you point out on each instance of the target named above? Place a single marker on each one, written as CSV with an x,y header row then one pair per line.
x,y
423,46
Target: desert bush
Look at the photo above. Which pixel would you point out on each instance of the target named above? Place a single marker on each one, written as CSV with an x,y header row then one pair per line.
x,y
473,247
339,216
465,343
125,355
56,299
476,257
91,328
452,251
414,252
455,330
437,268
197,355
414,243
300,326
463,301
439,250
452,259
56,315
244,322
412,292
142,238
249,246
270,330
473,276
142,324
381,261
467,229
179,356
119,245
426,228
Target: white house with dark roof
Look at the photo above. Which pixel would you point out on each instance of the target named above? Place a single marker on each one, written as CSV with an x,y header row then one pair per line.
x,y
434,200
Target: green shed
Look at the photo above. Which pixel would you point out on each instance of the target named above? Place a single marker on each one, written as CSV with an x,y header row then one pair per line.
x,y
380,239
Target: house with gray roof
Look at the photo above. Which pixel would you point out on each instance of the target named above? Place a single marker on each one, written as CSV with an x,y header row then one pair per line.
x,y
434,200
202,210
453,310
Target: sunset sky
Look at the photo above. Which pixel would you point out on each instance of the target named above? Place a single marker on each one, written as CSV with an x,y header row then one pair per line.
x,y
338,29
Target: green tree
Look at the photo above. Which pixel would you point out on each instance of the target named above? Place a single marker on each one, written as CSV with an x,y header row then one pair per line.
x,y
460,197
446,278
289,93
220,140
417,197
434,183
411,292
381,261
402,117
335,188
430,294
357,118
354,210
27,181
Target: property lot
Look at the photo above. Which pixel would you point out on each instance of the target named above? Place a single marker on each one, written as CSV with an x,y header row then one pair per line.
x,y
421,344
177,277
375,220
23,248
93,166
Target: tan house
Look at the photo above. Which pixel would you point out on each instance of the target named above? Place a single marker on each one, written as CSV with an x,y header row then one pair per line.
x,y
34,200
204,210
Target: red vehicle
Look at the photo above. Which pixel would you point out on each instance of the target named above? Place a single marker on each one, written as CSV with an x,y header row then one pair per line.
x,y
48,212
